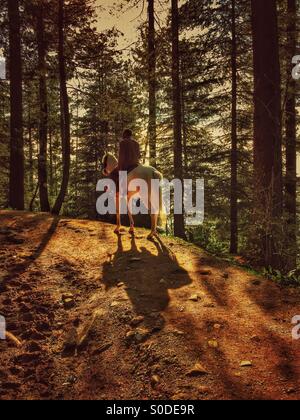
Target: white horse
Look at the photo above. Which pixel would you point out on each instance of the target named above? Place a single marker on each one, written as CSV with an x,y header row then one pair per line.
x,y
152,202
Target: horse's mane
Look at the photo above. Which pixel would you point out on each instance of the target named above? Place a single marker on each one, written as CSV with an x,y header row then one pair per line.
x,y
109,163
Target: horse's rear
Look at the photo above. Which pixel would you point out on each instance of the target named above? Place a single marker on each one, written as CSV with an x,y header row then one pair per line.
x,y
154,199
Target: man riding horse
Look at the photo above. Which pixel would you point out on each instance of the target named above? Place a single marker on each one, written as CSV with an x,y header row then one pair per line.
x,y
129,162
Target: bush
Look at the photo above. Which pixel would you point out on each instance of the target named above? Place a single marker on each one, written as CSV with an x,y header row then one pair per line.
x,y
290,279
206,236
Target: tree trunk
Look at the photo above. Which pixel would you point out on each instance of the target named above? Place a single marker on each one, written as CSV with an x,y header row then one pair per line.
x,y
184,132
16,179
30,147
184,122
152,82
65,114
291,141
51,180
179,229
43,112
234,151
267,132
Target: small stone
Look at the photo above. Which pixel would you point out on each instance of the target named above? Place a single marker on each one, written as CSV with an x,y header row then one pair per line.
x,y
162,281
130,336
133,260
246,363
66,296
68,300
256,282
194,298
155,380
178,332
217,326
209,305
121,284
69,303
198,370
114,304
213,344
136,321
141,335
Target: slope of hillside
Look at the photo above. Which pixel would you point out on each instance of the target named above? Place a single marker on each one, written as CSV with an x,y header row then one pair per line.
x,y
106,317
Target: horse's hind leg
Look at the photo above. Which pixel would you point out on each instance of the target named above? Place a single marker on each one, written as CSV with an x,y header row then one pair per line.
x,y
154,206
154,221
118,228
131,230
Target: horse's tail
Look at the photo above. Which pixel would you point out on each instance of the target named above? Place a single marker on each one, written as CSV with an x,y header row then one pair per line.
x,y
162,212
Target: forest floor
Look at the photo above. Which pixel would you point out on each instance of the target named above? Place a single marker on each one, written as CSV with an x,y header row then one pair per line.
x,y
106,317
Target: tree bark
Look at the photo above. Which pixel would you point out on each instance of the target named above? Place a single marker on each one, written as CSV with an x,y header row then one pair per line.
x,y
43,111
291,141
51,178
16,178
30,147
179,228
65,113
234,144
152,82
267,132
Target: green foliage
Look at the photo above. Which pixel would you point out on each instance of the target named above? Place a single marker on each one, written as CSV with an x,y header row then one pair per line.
x,y
207,237
290,279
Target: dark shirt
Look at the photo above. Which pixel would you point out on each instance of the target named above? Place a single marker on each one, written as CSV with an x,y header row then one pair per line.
x,y
129,154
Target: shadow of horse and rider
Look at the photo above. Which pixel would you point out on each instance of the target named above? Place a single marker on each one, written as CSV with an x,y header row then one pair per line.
x,y
147,277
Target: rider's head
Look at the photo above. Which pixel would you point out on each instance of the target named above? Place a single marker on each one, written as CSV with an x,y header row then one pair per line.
x,y
127,134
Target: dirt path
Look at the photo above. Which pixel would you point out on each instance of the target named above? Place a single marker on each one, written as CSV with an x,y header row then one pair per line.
x,y
107,318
